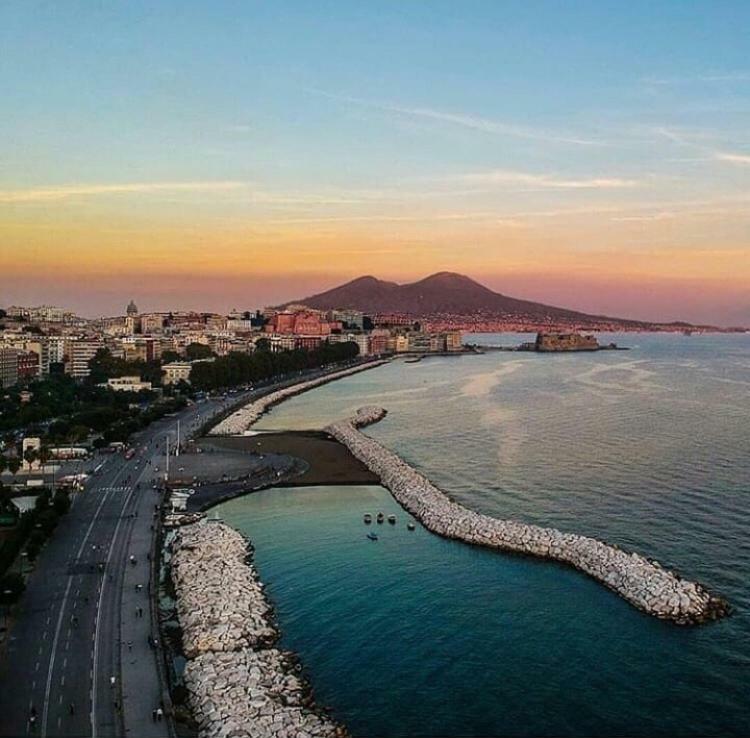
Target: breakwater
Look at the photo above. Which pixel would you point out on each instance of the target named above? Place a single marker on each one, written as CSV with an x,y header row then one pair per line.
x,y
243,418
239,683
642,582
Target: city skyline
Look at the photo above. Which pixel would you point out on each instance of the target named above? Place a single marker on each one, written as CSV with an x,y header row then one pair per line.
x,y
595,158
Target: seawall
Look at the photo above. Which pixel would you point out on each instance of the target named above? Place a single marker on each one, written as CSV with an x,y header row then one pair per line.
x,y
243,418
239,683
643,583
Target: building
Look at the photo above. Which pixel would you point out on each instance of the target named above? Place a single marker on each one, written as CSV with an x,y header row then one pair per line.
x,y
454,341
176,371
141,348
131,310
80,353
8,367
39,345
565,342
28,365
153,323
351,319
379,342
127,384
300,323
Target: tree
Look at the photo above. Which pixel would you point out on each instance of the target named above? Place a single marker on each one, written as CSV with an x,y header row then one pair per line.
x,y
169,356
11,587
198,351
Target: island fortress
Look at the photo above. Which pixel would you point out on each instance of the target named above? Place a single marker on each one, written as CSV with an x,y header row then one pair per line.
x,y
643,583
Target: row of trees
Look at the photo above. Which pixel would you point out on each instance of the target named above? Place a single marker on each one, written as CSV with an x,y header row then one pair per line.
x,y
32,529
238,368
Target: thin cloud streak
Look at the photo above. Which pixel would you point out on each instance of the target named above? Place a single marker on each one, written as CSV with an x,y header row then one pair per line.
x,y
734,158
546,181
65,192
473,122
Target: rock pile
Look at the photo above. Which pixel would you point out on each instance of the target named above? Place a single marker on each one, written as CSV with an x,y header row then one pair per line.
x,y
241,420
239,684
643,583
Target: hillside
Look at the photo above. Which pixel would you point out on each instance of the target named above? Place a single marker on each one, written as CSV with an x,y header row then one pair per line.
x,y
439,294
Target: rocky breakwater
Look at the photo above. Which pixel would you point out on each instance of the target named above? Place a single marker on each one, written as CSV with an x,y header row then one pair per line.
x,y
640,581
249,414
239,683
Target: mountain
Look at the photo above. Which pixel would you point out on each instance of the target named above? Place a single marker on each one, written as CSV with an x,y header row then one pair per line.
x,y
441,293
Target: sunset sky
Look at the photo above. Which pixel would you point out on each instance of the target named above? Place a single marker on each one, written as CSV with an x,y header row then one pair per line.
x,y
212,155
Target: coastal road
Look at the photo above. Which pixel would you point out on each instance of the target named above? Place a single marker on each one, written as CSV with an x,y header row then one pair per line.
x,y
78,657
68,658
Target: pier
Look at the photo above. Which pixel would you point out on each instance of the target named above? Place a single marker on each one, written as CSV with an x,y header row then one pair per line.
x,y
644,583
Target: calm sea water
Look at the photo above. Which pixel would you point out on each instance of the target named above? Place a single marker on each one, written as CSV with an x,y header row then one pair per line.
x,y
413,635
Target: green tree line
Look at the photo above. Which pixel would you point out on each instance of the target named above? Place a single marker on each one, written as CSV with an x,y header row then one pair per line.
x,y
238,368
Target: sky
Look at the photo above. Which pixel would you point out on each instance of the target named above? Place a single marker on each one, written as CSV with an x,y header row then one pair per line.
x,y
590,154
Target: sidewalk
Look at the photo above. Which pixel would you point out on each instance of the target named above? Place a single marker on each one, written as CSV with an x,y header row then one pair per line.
x,y
141,687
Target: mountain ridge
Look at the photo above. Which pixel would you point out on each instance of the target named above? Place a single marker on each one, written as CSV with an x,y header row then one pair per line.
x,y
442,293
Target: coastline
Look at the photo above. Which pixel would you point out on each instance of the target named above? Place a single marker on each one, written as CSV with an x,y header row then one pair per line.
x,y
242,419
235,675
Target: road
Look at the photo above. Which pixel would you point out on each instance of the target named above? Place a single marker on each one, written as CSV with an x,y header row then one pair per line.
x,y
79,654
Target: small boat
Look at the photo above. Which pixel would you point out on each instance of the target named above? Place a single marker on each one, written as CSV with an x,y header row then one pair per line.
x,y
410,526
381,517
372,536
392,519
368,518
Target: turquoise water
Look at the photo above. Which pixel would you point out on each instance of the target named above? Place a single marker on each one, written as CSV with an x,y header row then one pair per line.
x,y
414,635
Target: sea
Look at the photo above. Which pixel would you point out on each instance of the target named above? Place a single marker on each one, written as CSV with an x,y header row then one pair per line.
x,y
413,635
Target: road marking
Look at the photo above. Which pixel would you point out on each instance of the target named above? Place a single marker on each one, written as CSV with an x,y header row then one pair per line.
x,y
98,618
62,612
52,662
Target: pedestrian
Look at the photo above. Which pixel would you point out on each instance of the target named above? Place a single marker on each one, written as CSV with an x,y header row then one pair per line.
x,y
112,682
153,714
159,714
130,645
72,708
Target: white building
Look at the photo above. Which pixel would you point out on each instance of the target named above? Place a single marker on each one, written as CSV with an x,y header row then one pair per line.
x,y
127,384
177,371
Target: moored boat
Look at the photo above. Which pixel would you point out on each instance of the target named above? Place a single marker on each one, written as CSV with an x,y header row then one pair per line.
x,y
381,517
392,519
372,536
368,518
410,526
